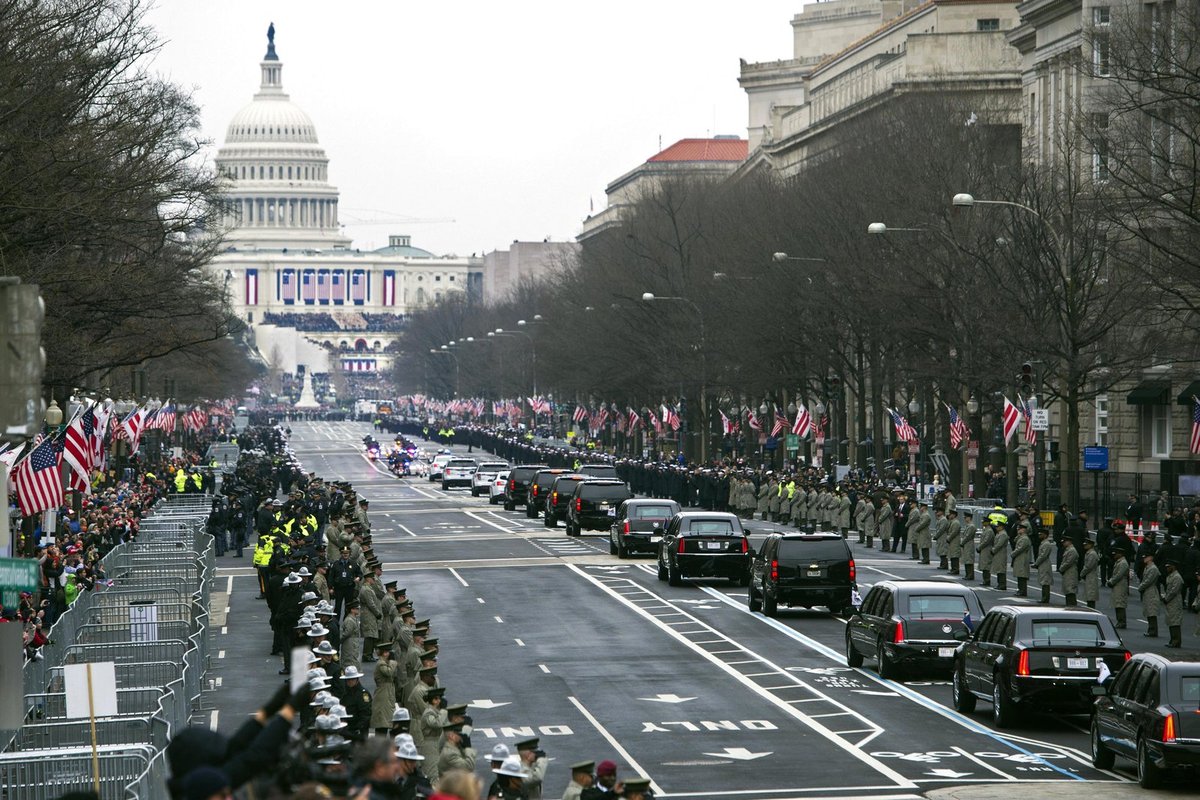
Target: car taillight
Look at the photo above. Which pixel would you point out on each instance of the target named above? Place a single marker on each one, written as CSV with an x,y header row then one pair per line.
x,y
1169,729
512,485
774,570
1023,663
853,571
554,498
534,489
578,505
745,545
681,544
898,633
1128,655
626,531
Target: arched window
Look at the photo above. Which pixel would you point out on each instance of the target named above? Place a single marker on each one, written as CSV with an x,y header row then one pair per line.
x,y
376,345
360,345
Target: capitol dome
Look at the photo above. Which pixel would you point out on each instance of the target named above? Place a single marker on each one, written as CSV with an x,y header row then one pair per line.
x,y
278,189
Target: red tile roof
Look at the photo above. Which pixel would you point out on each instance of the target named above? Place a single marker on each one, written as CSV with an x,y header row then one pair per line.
x,y
704,150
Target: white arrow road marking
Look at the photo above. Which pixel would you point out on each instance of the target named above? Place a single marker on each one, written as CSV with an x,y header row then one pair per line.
x,y
739,753
667,698
947,773
486,704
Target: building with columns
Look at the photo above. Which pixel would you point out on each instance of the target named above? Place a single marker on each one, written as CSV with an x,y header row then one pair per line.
x,y
293,275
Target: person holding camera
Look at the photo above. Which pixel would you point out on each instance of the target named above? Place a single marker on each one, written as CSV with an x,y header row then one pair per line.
x,y
533,762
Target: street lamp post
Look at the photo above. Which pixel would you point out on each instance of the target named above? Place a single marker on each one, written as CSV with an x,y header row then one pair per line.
x,y
444,350
650,297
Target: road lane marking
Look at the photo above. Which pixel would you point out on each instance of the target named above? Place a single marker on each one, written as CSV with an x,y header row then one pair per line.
x,y
212,719
613,741
765,691
982,763
480,599
498,620
405,529
519,642
220,654
454,572
229,586
544,668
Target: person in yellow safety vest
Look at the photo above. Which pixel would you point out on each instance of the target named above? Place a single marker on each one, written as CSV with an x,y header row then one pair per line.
x,y
591,445
180,481
997,517
263,550
578,464
149,477
213,464
791,489
197,481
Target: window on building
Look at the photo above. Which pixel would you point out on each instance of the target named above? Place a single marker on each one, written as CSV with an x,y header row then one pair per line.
x,y
992,24
437,278
1101,437
1158,419
1100,165
271,173
1100,40
289,173
452,279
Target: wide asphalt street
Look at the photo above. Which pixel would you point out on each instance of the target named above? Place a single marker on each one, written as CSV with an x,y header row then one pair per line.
x,y
553,637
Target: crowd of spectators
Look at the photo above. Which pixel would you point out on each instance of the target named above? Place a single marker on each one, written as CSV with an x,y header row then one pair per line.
x,y
326,322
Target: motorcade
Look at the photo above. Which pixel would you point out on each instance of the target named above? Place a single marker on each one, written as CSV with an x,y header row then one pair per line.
x,y
1149,712
911,624
437,465
498,487
593,505
1024,658
559,498
481,481
704,544
802,569
598,471
519,479
539,489
458,472
638,526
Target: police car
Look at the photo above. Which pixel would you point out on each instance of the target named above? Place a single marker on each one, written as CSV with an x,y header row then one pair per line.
x,y
485,475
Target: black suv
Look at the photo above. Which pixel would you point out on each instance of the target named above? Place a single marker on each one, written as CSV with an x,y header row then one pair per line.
x,y
638,526
559,498
911,623
594,505
704,544
1026,658
802,569
606,471
519,479
539,490
1149,712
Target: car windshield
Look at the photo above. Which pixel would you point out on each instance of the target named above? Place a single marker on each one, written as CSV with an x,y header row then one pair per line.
x,y
797,550
1185,691
547,479
1067,631
703,526
939,606
598,471
492,467
651,512
604,493
461,464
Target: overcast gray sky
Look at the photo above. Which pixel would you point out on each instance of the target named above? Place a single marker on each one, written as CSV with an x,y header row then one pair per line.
x,y
505,117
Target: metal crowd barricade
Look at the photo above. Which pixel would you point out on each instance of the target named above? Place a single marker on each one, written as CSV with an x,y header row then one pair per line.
x,y
131,702
36,737
71,770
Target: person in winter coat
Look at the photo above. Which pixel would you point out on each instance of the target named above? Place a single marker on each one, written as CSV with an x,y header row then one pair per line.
x,y
350,649
383,702
1021,552
885,521
1089,573
920,535
1000,550
1151,600
775,498
763,499
842,514
967,541
1044,562
1069,569
1173,604
860,516
1118,582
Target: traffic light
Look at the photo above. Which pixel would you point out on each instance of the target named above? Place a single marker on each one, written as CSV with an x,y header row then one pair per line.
x,y
22,360
1027,377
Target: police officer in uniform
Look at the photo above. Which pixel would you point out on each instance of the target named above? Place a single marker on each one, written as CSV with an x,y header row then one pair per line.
x,y
1151,599
984,549
967,539
581,778
357,701
1044,563
1021,552
533,762
1069,568
1089,573
1118,582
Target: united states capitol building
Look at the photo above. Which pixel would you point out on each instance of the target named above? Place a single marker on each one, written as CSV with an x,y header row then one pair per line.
x,y
310,297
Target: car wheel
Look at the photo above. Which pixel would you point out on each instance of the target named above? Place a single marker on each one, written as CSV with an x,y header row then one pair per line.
x,y
963,700
612,547
754,602
770,605
662,572
621,551
572,529
531,512
1149,775
1003,712
493,501
743,579
549,520
887,668
1102,757
445,486
673,576
853,657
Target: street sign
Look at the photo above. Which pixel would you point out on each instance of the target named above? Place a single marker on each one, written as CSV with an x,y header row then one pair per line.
x,y
973,449
914,448
793,442
771,443
1041,419
1095,458
17,575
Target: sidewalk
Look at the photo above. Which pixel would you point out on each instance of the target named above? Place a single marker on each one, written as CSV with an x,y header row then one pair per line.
x,y
1069,790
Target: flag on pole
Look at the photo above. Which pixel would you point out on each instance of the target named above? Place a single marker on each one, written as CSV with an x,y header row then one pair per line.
x,y
133,426
781,424
1195,425
754,423
656,423
670,417
39,487
803,423
9,457
634,420
904,431
78,453
1027,410
1011,415
580,414
726,425
959,432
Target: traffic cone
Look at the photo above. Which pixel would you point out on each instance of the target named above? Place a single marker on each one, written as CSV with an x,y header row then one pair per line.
x,y
1141,534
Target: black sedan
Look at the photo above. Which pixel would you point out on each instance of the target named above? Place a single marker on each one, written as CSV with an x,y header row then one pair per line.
x,y
638,526
1149,712
699,544
1035,658
911,623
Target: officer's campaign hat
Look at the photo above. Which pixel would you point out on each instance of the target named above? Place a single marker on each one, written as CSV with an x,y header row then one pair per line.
x,y
584,767
431,670
435,691
456,710
528,744
635,786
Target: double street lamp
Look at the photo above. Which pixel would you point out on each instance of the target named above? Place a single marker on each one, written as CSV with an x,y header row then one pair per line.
x,y
650,297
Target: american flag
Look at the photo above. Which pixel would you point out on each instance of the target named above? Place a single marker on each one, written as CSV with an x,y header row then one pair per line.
x,y
39,486
164,420
1027,410
133,426
1195,425
803,422
580,414
77,450
904,431
781,424
959,432
1011,415
635,420
599,418
670,417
